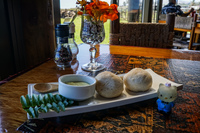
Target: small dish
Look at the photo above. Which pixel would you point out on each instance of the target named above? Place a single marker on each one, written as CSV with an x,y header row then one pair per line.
x,y
78,93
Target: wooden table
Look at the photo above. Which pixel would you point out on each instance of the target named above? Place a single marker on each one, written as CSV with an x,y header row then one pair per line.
x,y
12,115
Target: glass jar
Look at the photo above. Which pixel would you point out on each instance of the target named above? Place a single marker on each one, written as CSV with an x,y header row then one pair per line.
x,y
71,40
63,53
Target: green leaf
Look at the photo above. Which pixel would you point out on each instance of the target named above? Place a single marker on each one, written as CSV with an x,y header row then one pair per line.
x,y
39,109
57,97
51,97
23,102
43,108
35,100
46,99
61,106
63,98
49,106
73,19
71,102
29,100
31,112
40,99
65,103
55,107
36,111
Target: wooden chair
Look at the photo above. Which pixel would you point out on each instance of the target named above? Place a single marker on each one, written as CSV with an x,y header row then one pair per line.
x,y
185,24
143,34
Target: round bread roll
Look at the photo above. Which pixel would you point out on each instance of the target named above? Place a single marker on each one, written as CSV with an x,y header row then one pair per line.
x,y
109,85
137,80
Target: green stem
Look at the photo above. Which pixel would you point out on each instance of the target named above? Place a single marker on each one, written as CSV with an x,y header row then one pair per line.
x,y
73,19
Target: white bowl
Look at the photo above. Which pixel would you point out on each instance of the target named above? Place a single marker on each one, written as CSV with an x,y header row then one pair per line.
x,y
78,93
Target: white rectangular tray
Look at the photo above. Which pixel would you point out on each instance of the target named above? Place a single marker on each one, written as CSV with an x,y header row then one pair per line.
x,y
98,103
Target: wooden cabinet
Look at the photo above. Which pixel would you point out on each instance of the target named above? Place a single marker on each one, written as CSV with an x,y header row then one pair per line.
x,y
27,34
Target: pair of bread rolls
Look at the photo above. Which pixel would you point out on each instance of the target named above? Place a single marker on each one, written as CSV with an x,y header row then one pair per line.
x,y
110,85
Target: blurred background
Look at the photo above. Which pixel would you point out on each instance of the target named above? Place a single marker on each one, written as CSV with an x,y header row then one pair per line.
x,y
130,11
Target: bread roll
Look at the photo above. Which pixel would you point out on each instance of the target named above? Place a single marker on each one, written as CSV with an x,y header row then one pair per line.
x,y
109,85
137,80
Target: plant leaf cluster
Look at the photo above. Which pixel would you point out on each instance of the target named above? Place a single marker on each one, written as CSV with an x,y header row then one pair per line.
x,y
38,103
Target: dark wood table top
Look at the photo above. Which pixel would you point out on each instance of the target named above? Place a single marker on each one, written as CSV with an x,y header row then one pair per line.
x,y
12,115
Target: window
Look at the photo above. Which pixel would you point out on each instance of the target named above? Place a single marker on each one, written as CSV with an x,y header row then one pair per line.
x,y
186,5
154,11
130,10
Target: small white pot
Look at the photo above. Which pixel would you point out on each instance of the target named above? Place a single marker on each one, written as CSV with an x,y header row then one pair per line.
x,y
78,93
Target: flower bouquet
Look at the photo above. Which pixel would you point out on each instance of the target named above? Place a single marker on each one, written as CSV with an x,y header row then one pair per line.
x,y
98,10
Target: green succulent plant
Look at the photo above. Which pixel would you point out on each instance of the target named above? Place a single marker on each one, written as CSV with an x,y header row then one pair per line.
x,y
38,103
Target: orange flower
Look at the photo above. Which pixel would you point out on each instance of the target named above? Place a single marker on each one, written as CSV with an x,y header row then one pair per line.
x,y
82,2
79,13
103,5
99,10
103,18
114,7
114,17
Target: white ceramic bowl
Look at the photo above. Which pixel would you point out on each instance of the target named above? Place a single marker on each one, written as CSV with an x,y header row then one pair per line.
x,y
78,93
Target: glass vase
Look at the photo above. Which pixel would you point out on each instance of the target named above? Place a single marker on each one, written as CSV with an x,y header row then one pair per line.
x,y
92,33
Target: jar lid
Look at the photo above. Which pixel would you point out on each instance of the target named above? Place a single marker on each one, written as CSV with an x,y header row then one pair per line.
x,y
62,30
72,27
